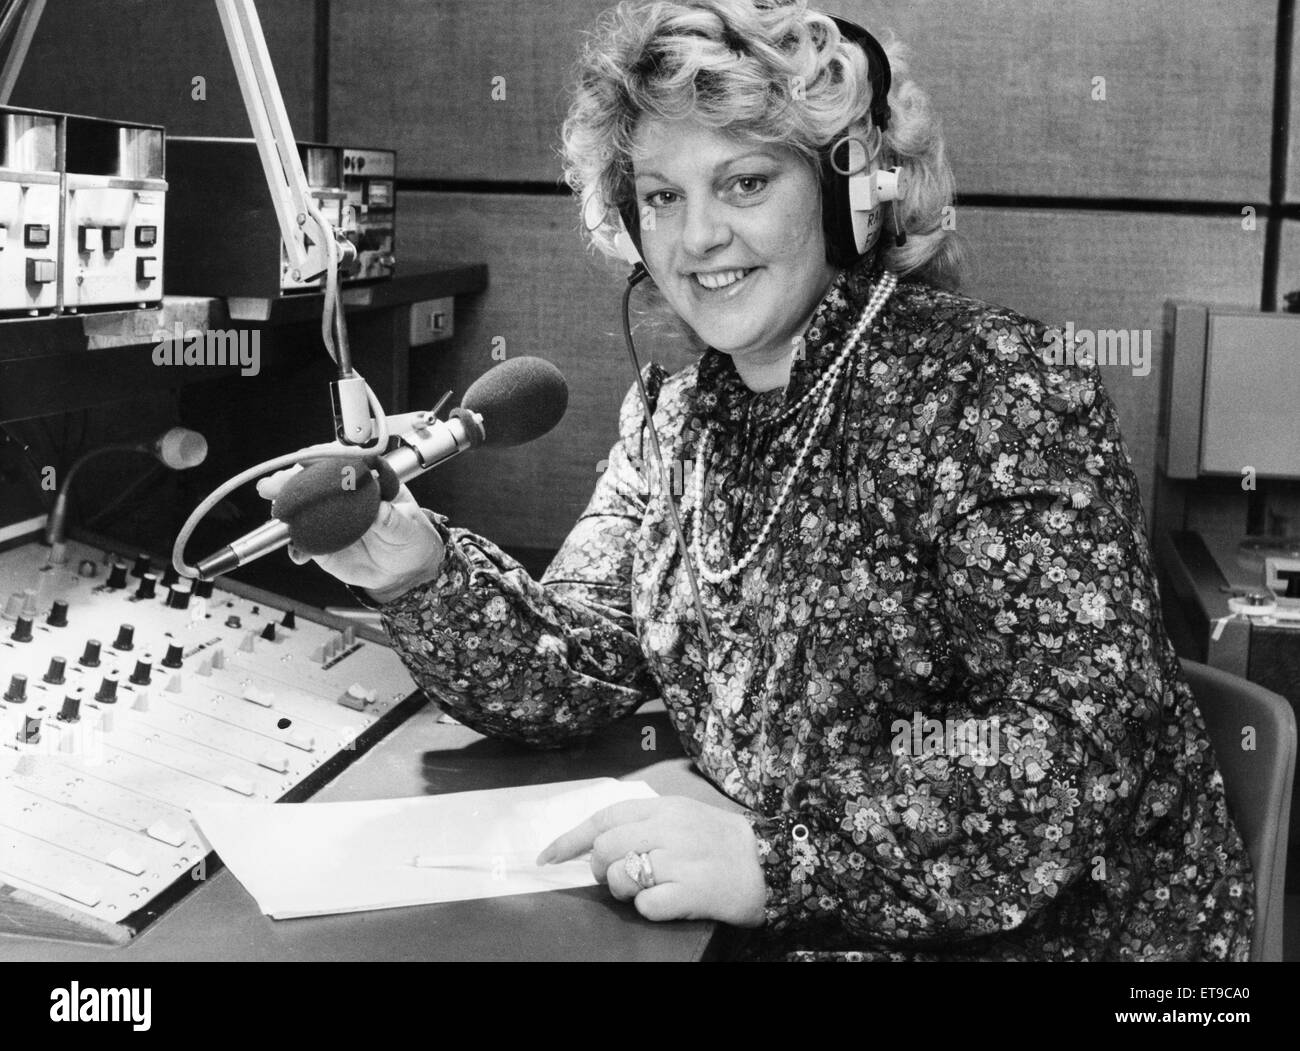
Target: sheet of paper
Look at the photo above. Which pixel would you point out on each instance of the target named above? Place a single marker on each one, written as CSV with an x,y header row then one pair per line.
x,y
312,859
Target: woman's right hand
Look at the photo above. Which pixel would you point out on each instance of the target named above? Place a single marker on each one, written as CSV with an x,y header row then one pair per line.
x,y
401,548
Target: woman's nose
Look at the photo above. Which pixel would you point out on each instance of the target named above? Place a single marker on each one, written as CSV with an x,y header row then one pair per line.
x,y
705,227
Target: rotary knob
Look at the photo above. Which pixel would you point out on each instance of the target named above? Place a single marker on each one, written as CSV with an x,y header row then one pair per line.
x,y
289,620
17,692
203,589
141,566
146,586
178,598
268,632
125,638
175,652
55,673
71,710
117,576
22,630
142,673
87,568
58,617
170,576
107,690
31,730
90,657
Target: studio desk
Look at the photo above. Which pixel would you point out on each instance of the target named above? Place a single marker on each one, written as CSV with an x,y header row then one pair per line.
x,y
195,729
219,920
64,364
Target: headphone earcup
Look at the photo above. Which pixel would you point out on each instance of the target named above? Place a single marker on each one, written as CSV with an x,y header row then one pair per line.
x,y
594,215
865,215
628,239
837,215
852,205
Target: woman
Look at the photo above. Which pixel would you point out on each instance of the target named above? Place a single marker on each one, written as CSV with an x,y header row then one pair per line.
x,y
937,680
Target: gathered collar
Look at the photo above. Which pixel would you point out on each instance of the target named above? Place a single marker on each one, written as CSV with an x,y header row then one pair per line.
x,y
725,401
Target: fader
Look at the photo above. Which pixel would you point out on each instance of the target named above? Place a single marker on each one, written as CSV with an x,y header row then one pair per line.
x,y
128,699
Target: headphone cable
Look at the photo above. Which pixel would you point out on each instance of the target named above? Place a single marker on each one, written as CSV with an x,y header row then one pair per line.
x,y
639,274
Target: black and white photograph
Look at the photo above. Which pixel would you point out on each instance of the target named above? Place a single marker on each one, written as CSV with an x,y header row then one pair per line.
x,y
665,481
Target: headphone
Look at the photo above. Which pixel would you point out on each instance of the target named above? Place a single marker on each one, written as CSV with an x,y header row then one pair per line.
x,y
851,192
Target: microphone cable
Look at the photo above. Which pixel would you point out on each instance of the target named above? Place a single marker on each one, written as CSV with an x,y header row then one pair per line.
x,y
333,326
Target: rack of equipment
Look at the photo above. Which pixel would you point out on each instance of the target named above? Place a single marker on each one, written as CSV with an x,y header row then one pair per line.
x,y
225,241
82,202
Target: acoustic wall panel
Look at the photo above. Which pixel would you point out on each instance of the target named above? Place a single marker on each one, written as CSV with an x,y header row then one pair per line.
x,y
1185,113
1097,270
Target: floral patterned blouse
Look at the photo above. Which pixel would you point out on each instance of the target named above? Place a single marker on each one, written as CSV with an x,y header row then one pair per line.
x,y
942,689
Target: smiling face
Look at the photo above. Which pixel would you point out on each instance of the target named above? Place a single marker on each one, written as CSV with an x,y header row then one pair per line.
x,y
736,243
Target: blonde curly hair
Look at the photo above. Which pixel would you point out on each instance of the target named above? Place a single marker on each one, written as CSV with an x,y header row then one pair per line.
x,y
770,70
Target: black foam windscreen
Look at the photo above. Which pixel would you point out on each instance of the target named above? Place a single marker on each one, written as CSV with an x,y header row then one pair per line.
x,y
520,400
328,505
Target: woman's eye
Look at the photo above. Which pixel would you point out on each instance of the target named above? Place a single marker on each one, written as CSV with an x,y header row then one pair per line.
x,y
750,185
661,198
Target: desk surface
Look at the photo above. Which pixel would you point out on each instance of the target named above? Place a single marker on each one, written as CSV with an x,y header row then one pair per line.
x,y
220,920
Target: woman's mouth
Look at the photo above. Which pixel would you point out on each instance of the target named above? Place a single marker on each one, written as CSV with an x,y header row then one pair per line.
x,y
721,280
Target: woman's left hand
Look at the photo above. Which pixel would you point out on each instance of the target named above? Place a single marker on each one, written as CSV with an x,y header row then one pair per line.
x,y
704,859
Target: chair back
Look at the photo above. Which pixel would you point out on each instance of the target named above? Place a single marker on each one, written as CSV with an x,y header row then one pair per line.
x,y
1258,780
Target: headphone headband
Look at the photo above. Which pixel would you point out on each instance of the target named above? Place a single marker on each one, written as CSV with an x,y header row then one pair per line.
x,y
877,68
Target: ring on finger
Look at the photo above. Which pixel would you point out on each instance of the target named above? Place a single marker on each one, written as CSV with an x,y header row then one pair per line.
x,y
638,867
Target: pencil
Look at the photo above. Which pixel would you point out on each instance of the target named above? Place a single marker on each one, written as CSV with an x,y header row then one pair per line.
x,y
465,861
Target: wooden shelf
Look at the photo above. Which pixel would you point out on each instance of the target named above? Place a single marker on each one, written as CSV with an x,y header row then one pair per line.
x,y
68,362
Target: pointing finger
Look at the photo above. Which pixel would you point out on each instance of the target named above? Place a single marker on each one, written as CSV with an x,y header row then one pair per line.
x,y
578,840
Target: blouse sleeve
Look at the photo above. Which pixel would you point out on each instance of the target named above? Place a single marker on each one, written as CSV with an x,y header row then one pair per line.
x,y
538,662
1042,589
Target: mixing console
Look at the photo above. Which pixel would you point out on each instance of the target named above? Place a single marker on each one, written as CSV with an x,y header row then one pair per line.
x,y
129,696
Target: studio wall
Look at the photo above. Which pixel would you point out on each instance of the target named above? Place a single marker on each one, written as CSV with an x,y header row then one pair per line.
x,y
1103,155
1109,156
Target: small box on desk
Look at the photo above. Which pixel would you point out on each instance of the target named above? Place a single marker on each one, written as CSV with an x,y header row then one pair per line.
x,y
1202,589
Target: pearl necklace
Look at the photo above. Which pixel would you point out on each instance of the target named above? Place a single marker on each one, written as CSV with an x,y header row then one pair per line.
x,y
826,386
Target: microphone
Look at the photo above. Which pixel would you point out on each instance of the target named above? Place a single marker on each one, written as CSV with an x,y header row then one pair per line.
x,y
178,448
331,503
